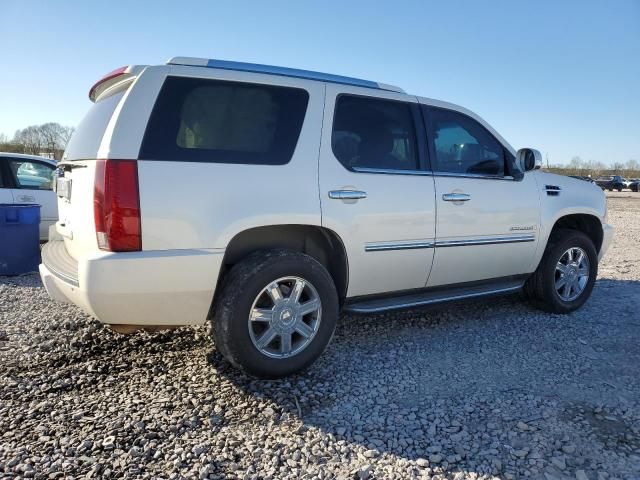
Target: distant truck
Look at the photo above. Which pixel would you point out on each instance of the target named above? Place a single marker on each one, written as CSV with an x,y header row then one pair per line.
x,y
611,182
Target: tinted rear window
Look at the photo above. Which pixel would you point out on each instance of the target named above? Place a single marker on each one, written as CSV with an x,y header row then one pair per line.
x,y
199,120
85,142
374,133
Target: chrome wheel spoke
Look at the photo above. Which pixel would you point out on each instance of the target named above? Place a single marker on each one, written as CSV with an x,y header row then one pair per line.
x,y
274,292
261,315
580,257
574,287
309,307
285,343
561,282
561,267
267,337
298,287
303,329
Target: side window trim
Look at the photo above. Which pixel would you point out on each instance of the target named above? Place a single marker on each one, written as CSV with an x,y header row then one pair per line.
x,y
432,154
419,128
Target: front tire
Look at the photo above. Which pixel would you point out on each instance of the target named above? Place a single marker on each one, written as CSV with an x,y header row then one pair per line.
x,y
566,275
275,314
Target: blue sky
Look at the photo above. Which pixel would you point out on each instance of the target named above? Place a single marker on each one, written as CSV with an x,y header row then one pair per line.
x,y
560,76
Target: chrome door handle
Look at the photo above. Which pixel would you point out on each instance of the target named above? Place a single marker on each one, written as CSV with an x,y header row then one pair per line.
x,y
456,197
26,198
347,194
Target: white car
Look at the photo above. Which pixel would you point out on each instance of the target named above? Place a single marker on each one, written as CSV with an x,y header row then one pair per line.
x,y
29,179
264,200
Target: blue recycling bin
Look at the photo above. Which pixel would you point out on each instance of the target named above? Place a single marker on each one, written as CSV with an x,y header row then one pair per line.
x,y
19,238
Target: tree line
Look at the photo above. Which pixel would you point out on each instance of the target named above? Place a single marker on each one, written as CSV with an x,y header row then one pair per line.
x,y
47,140
577,166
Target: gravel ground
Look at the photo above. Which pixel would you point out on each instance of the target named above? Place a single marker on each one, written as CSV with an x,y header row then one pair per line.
x,y
468,390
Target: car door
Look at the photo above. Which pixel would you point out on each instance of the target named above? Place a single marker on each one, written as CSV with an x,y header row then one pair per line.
x,y
488,214
32,183
375,192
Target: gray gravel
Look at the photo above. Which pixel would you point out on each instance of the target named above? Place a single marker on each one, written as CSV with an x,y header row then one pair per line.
x,y
475,390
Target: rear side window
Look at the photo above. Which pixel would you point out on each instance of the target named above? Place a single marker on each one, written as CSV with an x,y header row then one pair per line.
x,y
462,145
31,174
199,120
374,133
86,140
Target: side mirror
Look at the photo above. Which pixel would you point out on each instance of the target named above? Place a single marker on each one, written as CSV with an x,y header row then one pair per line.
x,y
529,159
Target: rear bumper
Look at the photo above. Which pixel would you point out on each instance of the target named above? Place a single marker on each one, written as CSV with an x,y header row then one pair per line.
x,y
607,236
170,287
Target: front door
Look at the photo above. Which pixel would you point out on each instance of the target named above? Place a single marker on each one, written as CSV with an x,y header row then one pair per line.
x,y
488,222
33,184
375,191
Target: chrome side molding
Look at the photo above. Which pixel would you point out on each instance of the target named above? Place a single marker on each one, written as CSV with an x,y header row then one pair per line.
x,y
386,246
413,245
487,240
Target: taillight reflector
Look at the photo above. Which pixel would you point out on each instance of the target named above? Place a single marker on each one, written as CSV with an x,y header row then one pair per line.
x,y
116,206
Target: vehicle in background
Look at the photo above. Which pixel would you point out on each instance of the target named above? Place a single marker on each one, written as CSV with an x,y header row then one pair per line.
x,y
610,182
29,179
263,200
635,185
581,177
627,183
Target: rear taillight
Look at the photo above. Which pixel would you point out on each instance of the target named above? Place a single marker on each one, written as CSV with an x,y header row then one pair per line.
x,y
116,206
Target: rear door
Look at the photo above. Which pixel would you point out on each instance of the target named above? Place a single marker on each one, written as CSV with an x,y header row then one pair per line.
x,y
33,182
375,191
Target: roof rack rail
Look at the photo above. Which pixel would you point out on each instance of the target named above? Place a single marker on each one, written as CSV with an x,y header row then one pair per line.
x,y
283,71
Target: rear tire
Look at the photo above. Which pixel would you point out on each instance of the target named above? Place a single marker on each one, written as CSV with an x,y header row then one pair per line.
x,y
272,332
559,284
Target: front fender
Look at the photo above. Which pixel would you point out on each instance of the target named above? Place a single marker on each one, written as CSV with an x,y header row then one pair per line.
x,y
574,197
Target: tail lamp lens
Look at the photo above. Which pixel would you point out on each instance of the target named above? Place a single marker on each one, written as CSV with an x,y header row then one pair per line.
x,y
116,206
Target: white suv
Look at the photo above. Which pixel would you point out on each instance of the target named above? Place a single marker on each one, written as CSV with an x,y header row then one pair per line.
x,y
264,200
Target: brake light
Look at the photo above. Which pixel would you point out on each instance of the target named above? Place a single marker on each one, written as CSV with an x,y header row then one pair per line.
x,y
116,206
109,76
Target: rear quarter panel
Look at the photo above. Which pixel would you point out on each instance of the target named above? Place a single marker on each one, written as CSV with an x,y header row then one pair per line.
x,y
204,205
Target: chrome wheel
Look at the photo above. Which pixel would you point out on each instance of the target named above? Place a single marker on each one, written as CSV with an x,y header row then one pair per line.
x,y
572,274
285,317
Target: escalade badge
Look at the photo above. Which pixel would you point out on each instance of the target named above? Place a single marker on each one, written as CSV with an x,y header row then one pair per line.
x,y
520,228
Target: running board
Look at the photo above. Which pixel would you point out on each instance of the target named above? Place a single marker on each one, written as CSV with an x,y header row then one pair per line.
x,y
436,295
